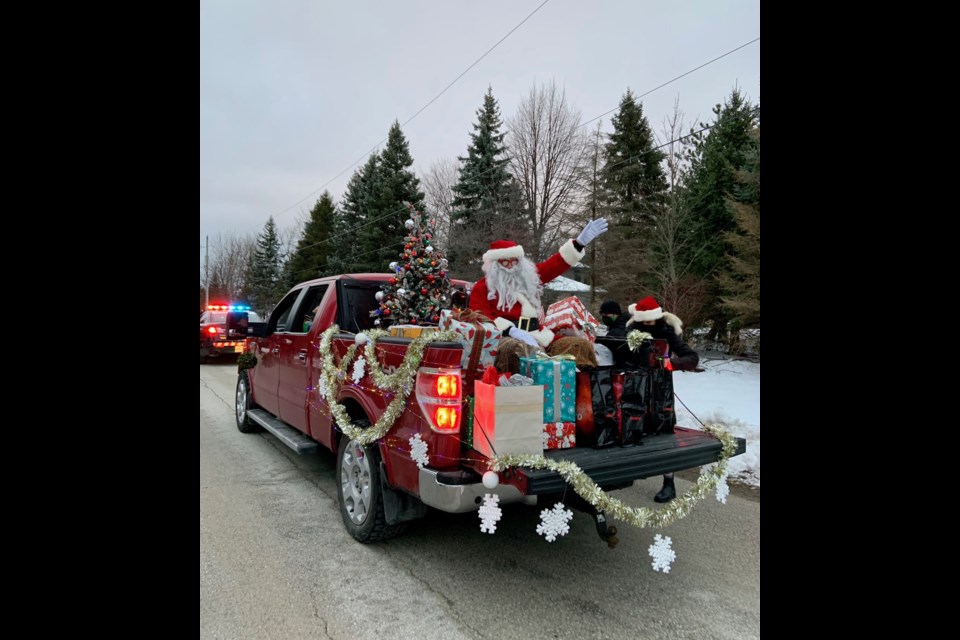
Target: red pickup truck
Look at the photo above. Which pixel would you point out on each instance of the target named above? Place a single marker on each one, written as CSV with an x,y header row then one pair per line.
x,y
381,487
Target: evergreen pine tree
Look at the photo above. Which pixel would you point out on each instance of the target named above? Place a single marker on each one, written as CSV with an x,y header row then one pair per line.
x,y
740,284
384,210
347,248
309,259
718,154
633,172
485,196
420,287
634,190
264,282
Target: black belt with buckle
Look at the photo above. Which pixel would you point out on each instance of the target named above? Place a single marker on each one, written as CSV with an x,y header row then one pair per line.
x,y
528,324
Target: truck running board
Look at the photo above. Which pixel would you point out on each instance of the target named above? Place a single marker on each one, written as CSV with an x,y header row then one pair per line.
x,y
287,434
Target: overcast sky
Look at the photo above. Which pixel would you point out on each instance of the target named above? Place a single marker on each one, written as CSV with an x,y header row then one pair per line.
x,y
294,92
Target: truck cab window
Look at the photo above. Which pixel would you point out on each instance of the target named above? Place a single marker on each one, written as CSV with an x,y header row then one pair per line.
x,y
281,313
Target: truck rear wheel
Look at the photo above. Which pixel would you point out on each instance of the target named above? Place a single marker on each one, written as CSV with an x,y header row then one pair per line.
x,y
244,404
360,497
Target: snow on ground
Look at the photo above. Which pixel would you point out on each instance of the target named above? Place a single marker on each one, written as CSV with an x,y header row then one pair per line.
x,y
727,393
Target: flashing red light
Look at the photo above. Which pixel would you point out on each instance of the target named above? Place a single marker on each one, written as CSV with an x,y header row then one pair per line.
x,y
212,330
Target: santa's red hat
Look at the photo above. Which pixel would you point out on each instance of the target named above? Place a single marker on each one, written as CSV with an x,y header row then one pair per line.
x,y
502,249
646,309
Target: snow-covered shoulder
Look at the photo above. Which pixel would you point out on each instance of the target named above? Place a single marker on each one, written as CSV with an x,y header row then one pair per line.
x,y
727,393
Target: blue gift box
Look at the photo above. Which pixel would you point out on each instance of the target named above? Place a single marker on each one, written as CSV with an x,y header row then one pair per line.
x,y
559,379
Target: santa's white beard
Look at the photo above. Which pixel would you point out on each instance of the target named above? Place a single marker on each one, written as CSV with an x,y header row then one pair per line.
x,y
504,284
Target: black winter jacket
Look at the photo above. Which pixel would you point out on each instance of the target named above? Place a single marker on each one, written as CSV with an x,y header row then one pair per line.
x,y
682,357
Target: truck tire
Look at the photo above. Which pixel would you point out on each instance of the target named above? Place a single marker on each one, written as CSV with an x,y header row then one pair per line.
x,y
244,404
359,495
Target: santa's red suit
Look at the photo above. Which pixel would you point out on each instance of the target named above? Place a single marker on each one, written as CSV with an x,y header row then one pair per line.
x,y
525,308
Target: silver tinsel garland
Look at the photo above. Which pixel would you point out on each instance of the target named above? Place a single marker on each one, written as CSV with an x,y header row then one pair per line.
x,y
400,383
639,517
636,338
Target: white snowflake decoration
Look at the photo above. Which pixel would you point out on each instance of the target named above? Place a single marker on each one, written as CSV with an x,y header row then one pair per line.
x,y
322,387
489,513
661,553
723,489
362,339
553,522
418,451
359,370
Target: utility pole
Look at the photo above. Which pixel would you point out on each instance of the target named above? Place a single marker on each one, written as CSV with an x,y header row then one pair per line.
x,y
206,275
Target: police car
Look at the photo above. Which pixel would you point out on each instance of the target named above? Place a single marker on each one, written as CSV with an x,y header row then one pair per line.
x,y
213,331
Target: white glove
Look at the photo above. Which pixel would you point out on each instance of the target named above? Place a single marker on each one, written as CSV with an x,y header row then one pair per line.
x,y
593,229
523,336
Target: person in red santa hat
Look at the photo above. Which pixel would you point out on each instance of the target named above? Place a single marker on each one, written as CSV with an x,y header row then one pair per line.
x,y
511,291
647,315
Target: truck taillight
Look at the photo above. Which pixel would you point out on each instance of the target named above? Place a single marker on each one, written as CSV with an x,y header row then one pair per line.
x,y
212,330
438,394
448,386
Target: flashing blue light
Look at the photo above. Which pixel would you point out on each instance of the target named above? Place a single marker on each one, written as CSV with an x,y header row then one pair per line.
x,y
239,307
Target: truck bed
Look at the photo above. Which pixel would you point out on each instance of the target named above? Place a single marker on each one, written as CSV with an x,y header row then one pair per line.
x,y
618,466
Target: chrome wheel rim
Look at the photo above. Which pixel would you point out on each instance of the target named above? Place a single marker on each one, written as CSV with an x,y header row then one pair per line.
x,y
355,482
242,401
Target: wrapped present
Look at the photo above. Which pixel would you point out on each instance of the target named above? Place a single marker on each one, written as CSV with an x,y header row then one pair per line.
x,y
410,330
569,317
558,375
479,339
559,435
507,419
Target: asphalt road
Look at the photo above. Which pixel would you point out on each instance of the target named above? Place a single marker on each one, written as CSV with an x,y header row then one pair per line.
x,y
276,561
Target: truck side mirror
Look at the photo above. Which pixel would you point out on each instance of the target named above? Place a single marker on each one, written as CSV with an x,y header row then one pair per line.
x,y
237,324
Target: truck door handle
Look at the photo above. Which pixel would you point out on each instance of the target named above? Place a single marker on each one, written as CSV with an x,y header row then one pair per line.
x,y
302,355
276,350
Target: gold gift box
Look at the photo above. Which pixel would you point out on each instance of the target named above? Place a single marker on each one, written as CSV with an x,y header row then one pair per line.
x,y
409,330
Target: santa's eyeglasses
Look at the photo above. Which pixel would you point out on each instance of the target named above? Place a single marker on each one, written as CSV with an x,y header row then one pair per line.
x,y
508,262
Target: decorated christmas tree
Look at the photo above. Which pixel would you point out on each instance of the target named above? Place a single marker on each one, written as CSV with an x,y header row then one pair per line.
x,y
420,287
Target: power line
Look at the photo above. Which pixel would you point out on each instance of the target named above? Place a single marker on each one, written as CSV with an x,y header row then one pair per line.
x,y
660,86
355,162
754,111
757,39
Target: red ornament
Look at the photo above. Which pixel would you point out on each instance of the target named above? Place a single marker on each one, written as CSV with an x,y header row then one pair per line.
x,y
436,318
393,281
386,312
443,274
433,263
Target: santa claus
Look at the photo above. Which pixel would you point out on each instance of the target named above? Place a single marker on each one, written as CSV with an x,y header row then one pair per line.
x,y
511,291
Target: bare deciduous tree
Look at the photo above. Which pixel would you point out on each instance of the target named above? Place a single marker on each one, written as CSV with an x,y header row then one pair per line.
x,y
547,153
672,254
229,256
290,235
438,183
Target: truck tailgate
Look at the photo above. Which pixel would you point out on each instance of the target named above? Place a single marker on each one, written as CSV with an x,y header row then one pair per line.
x,y
612,466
